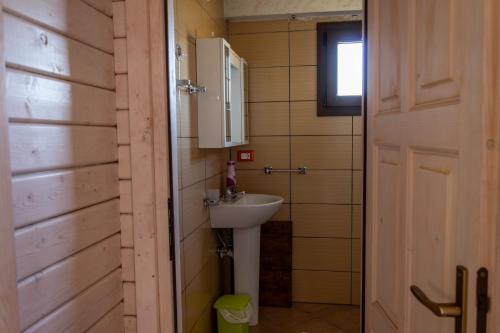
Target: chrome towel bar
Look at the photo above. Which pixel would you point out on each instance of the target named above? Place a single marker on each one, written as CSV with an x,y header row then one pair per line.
x,y
269,170
189,87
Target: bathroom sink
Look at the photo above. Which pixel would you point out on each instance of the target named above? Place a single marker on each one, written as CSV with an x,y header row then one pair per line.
x,y
247,211
245,215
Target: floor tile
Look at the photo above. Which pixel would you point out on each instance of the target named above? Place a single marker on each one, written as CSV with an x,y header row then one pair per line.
x,y
344,317
316,326
309,318
284,317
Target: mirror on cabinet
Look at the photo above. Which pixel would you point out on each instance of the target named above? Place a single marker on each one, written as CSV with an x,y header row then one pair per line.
x,y
223,108
246,116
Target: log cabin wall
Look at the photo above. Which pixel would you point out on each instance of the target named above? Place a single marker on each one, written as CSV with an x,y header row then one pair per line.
x,y
124,166
64,124
60,103
9,321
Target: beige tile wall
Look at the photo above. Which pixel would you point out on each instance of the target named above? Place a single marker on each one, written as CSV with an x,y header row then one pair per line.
x,y
200,169
324,204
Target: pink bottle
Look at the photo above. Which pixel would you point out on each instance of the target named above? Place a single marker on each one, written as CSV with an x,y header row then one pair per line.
x,y
231,177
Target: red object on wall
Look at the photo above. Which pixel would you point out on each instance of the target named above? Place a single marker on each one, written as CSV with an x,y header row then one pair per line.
x,y
246,155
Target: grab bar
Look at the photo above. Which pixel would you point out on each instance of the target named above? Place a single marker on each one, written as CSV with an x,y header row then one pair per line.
x,y
269,170
190,88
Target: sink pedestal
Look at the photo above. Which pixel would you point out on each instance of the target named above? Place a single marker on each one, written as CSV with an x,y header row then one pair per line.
x,y
246,265
245,214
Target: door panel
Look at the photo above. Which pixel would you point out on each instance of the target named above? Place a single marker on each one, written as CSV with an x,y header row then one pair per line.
x,y
387,233
435,45
381,324
390,56
427,87
433,185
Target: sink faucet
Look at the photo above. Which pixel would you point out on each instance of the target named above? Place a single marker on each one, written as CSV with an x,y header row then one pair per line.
x,y
231,195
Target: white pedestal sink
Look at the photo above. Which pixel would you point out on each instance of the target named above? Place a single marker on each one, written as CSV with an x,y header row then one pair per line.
x,y
245,215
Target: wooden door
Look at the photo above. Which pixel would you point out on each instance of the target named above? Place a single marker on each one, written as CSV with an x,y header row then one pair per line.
x,y
429,87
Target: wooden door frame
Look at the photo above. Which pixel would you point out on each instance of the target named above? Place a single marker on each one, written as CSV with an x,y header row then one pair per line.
x,y
159,11
9,317
174,162
364,115
493,133
150,164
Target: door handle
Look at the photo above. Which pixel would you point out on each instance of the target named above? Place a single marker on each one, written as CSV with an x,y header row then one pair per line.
x,y
439,309
457,310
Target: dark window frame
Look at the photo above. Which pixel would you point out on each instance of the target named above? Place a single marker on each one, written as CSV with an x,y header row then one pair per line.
x,y
328,36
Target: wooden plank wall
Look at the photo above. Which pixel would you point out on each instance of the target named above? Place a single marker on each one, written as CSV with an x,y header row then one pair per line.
x,y
124,166
60,101
9,321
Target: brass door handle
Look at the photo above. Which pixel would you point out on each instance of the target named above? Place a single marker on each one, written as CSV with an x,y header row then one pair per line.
x,y
439,309
457,310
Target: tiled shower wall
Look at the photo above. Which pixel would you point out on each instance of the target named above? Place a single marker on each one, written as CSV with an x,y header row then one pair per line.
x,y
200,169
324,204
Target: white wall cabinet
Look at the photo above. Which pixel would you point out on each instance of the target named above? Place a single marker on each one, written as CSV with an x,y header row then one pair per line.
x,y
223,108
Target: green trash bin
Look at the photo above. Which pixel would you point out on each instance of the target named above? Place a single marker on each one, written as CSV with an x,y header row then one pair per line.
x,y
233,313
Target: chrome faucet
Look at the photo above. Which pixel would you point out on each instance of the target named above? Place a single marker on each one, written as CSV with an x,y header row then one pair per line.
x,y
231,195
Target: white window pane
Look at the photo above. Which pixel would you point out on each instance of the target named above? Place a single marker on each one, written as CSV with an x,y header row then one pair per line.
x,y
349,69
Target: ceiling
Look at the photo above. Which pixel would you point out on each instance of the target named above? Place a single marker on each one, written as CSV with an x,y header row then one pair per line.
x,y
241,9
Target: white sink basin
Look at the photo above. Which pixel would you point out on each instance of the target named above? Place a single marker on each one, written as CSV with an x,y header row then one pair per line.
x,y
248,211
245,215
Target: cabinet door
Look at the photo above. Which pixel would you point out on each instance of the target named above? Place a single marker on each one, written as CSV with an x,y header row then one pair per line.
x,y
227,96
221,109
233,107
245,125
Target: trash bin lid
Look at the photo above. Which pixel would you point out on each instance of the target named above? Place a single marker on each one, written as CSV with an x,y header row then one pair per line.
x,y
232,302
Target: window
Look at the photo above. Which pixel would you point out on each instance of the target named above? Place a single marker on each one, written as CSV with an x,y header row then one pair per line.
x,y
340,68
349,69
